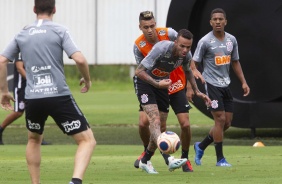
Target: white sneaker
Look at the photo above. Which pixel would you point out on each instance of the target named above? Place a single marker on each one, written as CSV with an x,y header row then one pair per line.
x,y
148,167
175,163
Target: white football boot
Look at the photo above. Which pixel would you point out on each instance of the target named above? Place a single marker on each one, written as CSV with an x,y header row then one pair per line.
x,y
174,163
148,167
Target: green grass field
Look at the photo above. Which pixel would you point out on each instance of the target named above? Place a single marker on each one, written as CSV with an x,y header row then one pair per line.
x,y
112,110
113,164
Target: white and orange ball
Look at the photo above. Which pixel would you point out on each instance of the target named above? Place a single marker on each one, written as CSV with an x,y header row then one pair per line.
x,y
168,142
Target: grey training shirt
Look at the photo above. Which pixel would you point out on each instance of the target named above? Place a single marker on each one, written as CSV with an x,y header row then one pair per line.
x,y
41,45
216,56
160,60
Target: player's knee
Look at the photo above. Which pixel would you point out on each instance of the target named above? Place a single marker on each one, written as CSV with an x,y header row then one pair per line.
x,y
143,124
227,125
184,125
19,114
93,143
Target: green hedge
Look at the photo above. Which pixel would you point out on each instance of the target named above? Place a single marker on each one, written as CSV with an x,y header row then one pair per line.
x,y
101,72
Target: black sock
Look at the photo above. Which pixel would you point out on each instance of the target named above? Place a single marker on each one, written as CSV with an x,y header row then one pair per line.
x,y
147,156
184,154
1,131
145,147
218,150
165,157
76,181
207,141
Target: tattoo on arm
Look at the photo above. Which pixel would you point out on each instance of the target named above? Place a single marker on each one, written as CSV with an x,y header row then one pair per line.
x,y
141,73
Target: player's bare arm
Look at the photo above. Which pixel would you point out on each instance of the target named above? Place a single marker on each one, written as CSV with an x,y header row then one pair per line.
x,y
20,68
192,81
196,72
6,96
239,73
141,73
189,92
195,88
82,66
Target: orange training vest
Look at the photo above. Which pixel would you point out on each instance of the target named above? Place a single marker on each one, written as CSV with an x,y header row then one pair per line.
x,y
177,76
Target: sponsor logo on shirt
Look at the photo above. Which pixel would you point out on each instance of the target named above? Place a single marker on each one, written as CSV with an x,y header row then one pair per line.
x,y
45,91
222,46
222,60
36,69
33,31
223,81
45,79
175,86
159,73
212,40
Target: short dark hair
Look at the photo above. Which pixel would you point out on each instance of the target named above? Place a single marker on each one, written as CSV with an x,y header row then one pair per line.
x,y
146,15
185,34
44,6
218,10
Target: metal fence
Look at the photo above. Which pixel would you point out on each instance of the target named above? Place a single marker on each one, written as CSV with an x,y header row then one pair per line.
x,y
104,30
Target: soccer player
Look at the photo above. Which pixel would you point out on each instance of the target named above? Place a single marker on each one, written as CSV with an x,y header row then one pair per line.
x,y
19,87
19,105
151,85
218,50
178,101
47,94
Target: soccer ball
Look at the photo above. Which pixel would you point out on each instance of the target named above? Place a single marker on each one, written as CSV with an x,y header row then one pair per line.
x,y
168,142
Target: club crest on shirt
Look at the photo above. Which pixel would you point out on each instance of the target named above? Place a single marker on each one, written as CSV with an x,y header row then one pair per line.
x,y
229,46
142,44
162,32
167,55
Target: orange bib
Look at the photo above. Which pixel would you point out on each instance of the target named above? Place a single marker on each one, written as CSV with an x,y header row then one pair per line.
x,y
177,76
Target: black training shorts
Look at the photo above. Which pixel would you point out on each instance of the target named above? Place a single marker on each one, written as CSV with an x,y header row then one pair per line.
x,y
179,103
222,99
62,109
148,94
19,104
